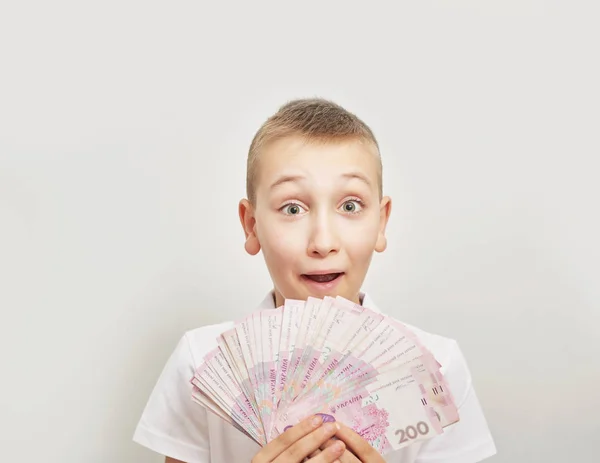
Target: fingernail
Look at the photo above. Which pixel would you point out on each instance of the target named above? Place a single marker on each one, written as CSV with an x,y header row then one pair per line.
x,y
317,420
326,418
338,447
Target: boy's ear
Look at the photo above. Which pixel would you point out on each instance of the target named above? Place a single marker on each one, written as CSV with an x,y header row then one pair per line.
x,y
385,209
246,213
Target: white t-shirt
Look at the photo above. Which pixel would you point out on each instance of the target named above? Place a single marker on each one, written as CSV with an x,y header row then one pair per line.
x,y
175,426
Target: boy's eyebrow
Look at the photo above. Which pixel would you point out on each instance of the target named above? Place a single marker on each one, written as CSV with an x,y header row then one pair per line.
x,y
294,178
286,178
359,176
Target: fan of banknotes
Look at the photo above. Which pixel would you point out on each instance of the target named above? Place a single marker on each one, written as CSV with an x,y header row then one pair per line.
x,y
331,357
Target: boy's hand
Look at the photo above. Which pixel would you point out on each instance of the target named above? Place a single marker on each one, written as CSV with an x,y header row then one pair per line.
x,y
300,442
358,450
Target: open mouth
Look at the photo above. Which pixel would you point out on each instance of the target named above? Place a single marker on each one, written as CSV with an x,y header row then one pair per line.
x,y
323,278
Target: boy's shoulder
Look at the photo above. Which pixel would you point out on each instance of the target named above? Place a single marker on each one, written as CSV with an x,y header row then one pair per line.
x,y
203,339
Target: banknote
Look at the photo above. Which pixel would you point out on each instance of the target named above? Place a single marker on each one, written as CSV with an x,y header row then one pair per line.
x,y
331,357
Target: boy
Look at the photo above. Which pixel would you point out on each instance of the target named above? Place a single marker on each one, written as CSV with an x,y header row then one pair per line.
x,y
316,210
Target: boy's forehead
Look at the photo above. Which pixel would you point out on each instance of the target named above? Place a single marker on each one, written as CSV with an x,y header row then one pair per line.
x,y
297,155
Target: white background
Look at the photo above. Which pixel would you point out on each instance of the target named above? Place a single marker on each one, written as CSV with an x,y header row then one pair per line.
x,y
124,128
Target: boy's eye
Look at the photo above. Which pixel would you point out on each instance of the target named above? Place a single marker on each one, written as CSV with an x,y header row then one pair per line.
x,y
351,207
292,209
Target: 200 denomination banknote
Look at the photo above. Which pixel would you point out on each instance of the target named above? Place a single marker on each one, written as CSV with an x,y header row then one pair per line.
x,y
329,356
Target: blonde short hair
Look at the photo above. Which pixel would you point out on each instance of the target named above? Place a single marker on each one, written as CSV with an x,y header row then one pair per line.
x,y
316,120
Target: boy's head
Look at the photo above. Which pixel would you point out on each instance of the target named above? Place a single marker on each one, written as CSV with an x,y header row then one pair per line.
x,y
314,200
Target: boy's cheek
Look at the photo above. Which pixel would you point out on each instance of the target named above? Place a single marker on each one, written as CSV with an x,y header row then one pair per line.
x,y
362,235
282,249
277,236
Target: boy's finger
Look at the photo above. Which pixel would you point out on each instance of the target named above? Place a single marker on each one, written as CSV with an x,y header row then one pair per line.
x,y
358,446
314,454
346,457
308,444
331,454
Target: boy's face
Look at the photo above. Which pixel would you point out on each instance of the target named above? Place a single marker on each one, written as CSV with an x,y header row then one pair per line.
x,y
317,218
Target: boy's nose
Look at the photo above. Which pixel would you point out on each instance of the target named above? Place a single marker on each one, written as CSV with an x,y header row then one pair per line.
x,y
324,239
